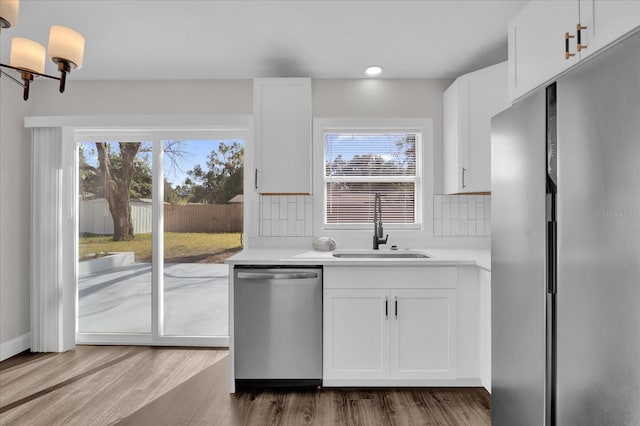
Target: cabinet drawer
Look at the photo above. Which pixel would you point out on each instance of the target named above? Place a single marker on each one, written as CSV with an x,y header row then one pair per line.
x,y
391,277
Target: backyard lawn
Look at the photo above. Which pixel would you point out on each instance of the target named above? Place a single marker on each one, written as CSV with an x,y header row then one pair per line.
x,y
179,247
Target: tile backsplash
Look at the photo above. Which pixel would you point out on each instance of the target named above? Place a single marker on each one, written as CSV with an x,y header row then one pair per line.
x,y
286,216
453,216
462,215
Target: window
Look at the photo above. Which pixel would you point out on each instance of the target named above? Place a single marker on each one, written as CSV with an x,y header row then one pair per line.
x,y
358,164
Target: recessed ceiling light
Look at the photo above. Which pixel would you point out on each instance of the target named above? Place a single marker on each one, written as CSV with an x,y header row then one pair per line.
x,y
373,71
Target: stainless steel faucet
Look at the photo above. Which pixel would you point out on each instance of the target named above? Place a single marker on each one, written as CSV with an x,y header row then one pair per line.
x,y
378,232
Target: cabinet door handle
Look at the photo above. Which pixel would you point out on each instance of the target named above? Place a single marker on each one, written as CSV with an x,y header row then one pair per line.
x,y
396,303
579,29
255,178
567,55
463,171
386,307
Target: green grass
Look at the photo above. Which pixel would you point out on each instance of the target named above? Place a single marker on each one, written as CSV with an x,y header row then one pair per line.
x,y
176,244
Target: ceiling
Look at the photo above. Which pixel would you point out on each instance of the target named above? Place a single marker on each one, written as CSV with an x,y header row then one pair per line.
x,y
204,39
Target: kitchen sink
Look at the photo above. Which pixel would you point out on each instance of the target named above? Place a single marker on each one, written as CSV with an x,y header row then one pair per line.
x,y
370,254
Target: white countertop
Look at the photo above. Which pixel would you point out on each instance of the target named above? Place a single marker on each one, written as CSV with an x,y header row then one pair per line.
x,y
437,257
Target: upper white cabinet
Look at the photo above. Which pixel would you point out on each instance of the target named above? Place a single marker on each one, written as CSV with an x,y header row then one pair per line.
x,y
548,37
468,105
607,21
282,122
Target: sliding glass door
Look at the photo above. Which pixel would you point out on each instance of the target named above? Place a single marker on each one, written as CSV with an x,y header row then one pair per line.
x,y
157,216
115,236
202,227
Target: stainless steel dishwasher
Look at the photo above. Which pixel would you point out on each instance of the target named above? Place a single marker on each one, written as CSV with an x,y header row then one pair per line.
x,y
277,326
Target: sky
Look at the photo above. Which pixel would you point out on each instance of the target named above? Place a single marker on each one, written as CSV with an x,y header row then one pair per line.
x,y
196,153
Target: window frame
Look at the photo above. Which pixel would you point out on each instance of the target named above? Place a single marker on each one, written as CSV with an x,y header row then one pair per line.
x,y
424,165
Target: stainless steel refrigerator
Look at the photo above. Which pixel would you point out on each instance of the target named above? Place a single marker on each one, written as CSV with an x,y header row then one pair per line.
x,y
566,248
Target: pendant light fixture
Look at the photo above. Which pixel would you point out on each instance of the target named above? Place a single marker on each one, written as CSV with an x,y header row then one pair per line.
x,y
66,48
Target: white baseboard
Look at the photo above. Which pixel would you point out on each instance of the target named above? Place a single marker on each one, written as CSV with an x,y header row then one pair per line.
x,y
15,346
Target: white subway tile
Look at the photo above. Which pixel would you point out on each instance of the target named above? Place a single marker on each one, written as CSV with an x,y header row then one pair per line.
x,y
291,212
487,207
471,228
275,208
299,228
300,208
480,213
458,228
275,228
437,228
292,199
265,229
291,228
308,213
284,207
284,227
446,226
471,207
446,213
265,204
463,207
437,206
308,219
480,227
455,213
487,228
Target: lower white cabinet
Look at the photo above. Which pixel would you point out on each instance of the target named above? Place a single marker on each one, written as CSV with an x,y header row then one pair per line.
x,y
389,336
356,334
485,328
423,334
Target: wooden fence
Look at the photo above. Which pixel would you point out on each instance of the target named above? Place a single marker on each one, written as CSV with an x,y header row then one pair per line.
x,y
203,218
95,217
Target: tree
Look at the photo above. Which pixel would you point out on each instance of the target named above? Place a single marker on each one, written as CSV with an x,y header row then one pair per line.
x,y
223,179
117,185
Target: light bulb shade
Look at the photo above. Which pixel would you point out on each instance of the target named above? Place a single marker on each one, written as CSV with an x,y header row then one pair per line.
x,y
27,55
8,13
66,44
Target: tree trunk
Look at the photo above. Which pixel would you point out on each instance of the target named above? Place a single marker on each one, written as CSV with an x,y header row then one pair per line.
x,y
118,187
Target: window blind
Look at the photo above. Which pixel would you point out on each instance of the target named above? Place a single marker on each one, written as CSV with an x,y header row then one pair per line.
x,y
359,165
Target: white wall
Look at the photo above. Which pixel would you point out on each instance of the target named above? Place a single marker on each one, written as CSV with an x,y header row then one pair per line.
x,y
15,184
331,98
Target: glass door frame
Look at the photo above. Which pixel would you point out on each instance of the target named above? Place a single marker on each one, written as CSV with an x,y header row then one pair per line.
x,y
156,137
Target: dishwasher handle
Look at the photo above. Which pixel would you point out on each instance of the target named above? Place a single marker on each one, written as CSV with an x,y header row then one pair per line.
x,y
277,275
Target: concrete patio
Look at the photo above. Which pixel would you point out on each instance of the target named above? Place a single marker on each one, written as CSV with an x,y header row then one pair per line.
x,y
119,300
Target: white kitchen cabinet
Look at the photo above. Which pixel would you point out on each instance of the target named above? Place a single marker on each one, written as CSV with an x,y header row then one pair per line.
x,y
607,21
356,334
423,334
389,326
282,135
537,41
485,328
468,105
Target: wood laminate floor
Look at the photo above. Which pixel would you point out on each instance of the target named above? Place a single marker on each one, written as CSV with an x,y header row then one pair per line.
x,y
130,385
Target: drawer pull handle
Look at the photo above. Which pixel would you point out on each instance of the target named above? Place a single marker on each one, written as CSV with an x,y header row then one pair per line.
x,y
579,29
396,303
386,307
567,55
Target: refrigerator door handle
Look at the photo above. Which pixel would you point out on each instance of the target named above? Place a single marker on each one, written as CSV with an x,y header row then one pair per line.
x,y
552,260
